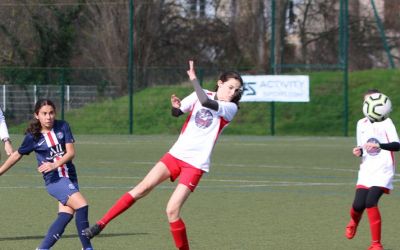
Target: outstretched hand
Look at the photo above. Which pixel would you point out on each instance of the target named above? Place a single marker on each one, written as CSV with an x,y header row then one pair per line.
x,y
191,73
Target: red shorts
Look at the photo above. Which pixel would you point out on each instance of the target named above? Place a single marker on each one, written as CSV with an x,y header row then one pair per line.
x,y
189,176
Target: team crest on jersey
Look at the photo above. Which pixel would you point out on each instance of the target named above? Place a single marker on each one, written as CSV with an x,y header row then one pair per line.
x,y
60,135
373,151
203,118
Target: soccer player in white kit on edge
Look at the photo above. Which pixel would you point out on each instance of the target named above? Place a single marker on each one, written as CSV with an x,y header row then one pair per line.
x,y
209,112
4,136
376,142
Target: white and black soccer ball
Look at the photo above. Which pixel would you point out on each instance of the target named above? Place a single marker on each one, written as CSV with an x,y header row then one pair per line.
x,y
377,107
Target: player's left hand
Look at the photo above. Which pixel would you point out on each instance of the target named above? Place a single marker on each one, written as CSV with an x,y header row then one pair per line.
x,y
46,167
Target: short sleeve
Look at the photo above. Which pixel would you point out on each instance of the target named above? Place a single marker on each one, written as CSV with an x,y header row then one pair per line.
x,y
69,138
27,145
188,102
391,132
227,110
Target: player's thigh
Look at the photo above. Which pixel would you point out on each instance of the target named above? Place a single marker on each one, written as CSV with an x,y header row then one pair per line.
x,y
156,175
76,201
374,194
360,199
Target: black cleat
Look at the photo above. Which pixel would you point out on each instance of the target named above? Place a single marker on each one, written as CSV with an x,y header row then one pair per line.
x,y
92,231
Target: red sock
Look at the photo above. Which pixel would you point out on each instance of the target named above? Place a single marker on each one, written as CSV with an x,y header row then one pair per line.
x,y
375,224
355,216
178,231
119,207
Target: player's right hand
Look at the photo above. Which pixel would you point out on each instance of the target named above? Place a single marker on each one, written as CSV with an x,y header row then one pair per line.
x,y
357,151
175,101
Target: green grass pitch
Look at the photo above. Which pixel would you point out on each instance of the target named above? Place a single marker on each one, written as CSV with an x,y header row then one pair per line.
x,y
281,193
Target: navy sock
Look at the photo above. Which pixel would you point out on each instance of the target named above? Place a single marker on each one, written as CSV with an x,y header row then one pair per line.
x,y
82,222
56,230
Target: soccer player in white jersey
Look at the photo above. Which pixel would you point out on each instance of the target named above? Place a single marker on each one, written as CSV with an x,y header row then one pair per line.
x,y
53,144
209,112
4,136
376,142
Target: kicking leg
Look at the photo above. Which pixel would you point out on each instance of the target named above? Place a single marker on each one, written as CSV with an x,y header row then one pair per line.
x,y
356,212
157,174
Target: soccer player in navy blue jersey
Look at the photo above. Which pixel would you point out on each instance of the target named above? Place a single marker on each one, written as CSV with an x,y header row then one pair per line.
x,y
53,143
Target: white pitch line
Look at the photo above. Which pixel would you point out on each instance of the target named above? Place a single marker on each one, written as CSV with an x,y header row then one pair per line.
x,y
247,166
271,184
266,184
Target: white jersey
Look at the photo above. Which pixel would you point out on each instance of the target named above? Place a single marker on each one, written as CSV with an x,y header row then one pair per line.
x,y
3,126
378,166
201,130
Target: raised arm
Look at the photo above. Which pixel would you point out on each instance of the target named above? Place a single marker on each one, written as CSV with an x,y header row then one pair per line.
x,y
203,98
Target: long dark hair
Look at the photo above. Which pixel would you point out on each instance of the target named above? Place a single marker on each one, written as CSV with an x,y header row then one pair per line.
x,y
34,126
235,75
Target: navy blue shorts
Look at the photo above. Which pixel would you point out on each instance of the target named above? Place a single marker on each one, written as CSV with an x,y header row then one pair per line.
x,y
62,189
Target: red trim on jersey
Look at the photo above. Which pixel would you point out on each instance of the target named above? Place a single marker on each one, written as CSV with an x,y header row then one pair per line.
x,y
391,154
222,124
187,121
57,157
62,167
50,138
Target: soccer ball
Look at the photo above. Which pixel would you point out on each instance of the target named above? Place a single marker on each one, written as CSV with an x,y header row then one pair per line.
x,y
377,107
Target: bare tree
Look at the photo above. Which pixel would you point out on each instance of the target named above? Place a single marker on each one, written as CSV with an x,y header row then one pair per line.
x,y
36,35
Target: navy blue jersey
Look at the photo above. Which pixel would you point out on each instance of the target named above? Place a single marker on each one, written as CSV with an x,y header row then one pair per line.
x,y
49,148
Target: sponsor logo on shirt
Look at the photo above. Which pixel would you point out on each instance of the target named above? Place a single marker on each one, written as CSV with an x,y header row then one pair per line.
x,y
60,135
203,118
373,151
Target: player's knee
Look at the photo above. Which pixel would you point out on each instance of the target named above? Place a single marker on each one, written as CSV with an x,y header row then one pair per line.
x,y
370,204
142,189
172,212
359,207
